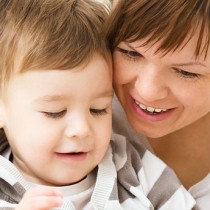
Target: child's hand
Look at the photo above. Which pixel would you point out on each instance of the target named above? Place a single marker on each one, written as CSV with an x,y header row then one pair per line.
x,y
41,198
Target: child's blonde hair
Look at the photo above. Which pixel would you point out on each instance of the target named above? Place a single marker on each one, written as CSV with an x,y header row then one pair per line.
x,y
49,34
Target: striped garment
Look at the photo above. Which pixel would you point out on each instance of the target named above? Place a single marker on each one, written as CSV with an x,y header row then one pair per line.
x,y
137,181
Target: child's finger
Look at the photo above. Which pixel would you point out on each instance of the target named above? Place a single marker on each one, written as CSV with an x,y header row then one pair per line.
x,y
41,198
41,203
42,190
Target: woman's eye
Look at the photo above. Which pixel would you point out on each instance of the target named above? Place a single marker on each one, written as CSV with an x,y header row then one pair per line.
x,y
186,74
55,115
130,54
98,112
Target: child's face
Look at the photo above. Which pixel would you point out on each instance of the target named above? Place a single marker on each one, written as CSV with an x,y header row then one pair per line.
x,y
58,123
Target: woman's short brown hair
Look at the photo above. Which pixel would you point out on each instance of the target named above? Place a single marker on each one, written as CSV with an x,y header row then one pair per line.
x,y
173,22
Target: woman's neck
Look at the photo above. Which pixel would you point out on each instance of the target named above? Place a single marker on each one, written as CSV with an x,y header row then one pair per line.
x,y
187,151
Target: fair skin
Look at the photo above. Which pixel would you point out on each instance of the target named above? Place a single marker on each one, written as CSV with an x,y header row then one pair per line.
x,y
167,98
65,116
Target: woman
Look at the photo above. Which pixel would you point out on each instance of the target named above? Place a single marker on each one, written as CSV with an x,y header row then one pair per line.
x,y
162,80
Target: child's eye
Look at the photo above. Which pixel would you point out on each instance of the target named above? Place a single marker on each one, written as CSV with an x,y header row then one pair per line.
x,y
186,74
130,54
55,115
98,112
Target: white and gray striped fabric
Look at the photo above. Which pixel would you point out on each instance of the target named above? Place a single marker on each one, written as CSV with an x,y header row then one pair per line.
x,y
129,177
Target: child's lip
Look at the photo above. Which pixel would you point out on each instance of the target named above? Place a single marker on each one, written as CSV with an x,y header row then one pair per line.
x,y
72,156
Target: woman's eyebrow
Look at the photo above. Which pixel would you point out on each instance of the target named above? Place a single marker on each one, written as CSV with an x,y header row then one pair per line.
x,y
126,43
189,64
175,64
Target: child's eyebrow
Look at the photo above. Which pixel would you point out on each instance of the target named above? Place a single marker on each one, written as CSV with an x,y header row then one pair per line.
x,y
49,98
108,93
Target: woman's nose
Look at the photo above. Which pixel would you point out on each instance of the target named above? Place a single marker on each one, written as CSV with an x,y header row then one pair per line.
x,y
151,85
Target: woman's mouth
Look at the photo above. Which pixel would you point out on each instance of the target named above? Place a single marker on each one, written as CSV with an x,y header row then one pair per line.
x,y
150,110
149,113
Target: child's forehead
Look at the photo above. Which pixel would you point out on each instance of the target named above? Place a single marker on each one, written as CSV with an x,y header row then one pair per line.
x,y
101,63
96,65
91,85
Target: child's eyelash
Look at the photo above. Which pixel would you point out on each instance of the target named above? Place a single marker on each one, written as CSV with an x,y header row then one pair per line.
x,y
54,115
98,112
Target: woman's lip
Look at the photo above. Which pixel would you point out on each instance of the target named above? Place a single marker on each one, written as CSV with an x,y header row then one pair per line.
x,y
144,106
140,113
80,156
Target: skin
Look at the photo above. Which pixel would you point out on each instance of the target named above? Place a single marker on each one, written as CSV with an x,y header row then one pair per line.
x,y
178,84
59,121
40,198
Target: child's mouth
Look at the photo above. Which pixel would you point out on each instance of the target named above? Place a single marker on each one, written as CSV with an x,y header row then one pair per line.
x,y
72,156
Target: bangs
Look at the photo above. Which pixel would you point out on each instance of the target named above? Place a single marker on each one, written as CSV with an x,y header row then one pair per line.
x,y
172,23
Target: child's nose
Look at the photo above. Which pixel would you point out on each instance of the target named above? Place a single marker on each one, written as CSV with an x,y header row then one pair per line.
x,y
78,127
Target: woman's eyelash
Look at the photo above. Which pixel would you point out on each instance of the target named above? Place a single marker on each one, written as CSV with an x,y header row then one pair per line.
x,y
134,55
129,53
98,112
186,74
54,115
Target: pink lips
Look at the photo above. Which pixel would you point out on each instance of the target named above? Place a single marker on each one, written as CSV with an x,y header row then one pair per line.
x,y
69,157
148,116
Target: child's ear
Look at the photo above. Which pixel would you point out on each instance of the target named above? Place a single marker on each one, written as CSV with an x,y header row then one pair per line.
x,y
2,114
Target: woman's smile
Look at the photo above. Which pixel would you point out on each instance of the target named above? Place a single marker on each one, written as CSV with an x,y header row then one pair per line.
x,y
149,113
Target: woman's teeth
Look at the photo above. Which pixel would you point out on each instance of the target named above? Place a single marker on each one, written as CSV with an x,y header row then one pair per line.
x,y
150,109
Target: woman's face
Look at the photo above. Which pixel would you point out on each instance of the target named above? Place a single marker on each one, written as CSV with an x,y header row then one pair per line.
x,y
161,94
